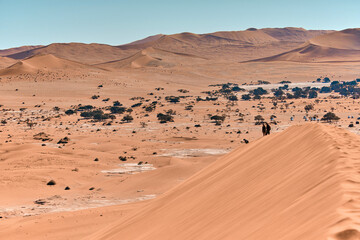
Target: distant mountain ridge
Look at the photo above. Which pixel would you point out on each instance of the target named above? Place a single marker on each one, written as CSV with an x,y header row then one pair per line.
x,y
230,45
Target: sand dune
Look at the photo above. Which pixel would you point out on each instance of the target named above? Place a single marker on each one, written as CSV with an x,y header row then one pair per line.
x,y
152,57
80,52
236,45
47,62
142,43
248,36
347,39
304,188
342,46
294,34
6,62
15,50
233,45
147,39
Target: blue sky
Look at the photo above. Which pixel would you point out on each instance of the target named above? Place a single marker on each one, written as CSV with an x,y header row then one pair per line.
x,y
33,22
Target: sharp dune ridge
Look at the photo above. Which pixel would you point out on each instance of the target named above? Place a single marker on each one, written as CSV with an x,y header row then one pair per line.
x,y
302,183
341,46
44,62
6,62
80,52
145,40
348,39
10,51
152,57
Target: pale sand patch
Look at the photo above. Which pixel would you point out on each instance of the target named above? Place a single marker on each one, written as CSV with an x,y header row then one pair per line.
x,y
130,168
195,152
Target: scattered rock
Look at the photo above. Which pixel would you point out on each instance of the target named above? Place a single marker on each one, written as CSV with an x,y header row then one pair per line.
x,y
42,136
40,202
51,183
63,140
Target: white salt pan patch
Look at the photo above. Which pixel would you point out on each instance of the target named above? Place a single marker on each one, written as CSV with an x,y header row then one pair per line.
x,y
59,204
186,153
95,203
130,168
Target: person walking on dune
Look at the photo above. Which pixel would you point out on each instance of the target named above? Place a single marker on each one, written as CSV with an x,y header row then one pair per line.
x,y
263,129
266,128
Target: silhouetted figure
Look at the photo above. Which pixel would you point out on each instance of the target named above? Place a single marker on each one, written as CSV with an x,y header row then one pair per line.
x,y
268,128
263,129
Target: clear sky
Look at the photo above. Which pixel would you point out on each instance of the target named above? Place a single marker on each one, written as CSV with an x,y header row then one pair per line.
x,y
115,22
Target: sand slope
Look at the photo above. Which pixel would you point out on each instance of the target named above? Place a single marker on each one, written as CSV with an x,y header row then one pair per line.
x,y
232,45
6,62
306,187
346,39
152,57
47,62
80,52
250,36
15,50
142,43
236,45
342,46
294,34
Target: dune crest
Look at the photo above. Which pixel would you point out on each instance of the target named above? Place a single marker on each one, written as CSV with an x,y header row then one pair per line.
x,y
306,187
45,62
80,52
346,39
6,62
152,57
10,51
229,44
341,46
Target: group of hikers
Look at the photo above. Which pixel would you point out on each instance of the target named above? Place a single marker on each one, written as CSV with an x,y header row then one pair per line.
x,y
266,128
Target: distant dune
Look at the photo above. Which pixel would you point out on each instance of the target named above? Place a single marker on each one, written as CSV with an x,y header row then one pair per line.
x,y
80,52
6,62
45,62
342,46
152,57
348,39
142,43
291,185
234,46
10,51
294,34
250,36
